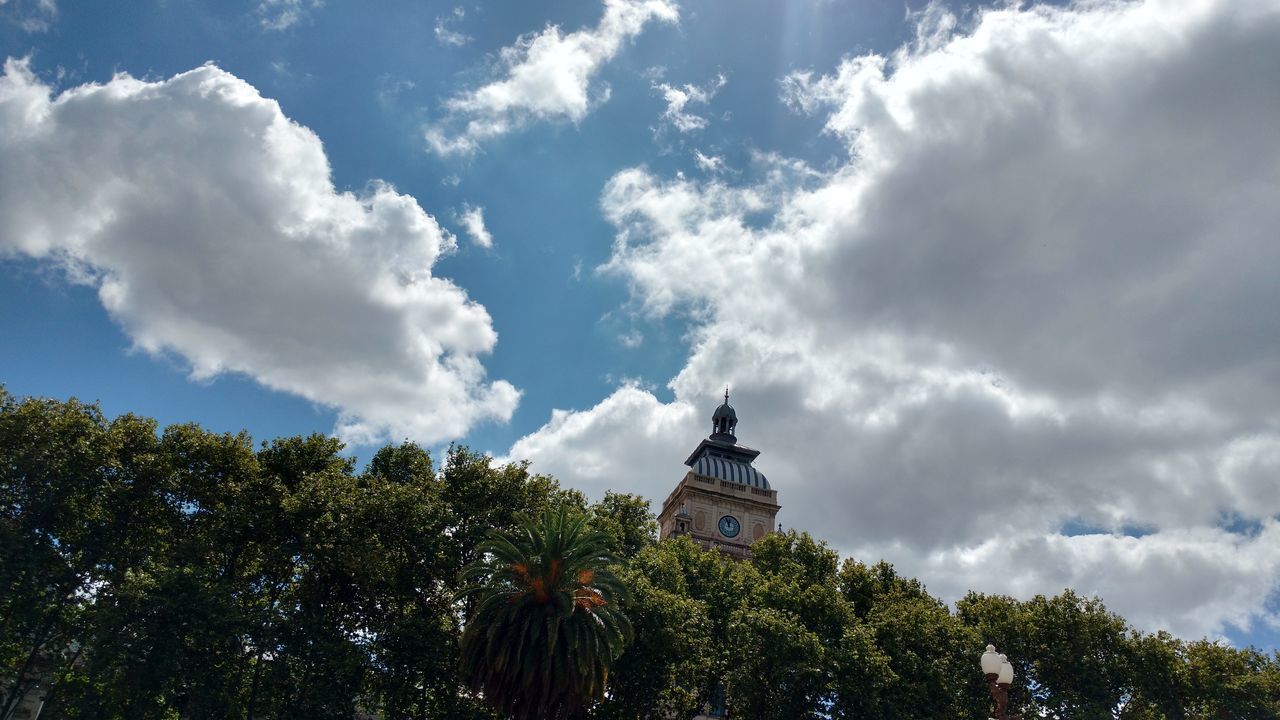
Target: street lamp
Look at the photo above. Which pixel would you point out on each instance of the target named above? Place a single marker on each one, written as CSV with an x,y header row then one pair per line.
x,y
999,674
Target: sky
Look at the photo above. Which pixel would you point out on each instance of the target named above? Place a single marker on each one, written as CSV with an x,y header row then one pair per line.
x,y
994,286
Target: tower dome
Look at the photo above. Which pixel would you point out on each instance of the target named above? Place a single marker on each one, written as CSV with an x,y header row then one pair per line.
x,y
724,421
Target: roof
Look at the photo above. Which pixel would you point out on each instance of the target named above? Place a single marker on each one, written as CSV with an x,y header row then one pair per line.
x,y
734,451
725,410
726,469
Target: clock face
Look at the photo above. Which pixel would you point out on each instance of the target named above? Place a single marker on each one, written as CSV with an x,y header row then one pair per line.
x,y
729,526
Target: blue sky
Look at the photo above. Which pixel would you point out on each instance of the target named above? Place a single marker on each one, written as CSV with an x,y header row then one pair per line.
x,y
990,283
366,81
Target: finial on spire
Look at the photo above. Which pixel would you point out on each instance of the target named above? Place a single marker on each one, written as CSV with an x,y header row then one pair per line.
x,y
726,394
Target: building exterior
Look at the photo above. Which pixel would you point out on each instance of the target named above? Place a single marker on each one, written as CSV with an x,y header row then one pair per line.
x,y
723,502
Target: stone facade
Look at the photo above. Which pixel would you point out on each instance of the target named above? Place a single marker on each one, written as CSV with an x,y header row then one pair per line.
x,y
723,501
705,501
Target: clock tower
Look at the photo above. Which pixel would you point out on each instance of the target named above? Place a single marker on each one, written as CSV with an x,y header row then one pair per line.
x,y
722,502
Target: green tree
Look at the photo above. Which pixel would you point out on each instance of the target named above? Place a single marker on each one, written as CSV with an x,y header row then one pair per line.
x,y
1154,668
1075,656
786,630
482,498
665,672
781,674
862,677
722,586
52,458
185,575
931,654
627,521
546,625
412,632
1226,682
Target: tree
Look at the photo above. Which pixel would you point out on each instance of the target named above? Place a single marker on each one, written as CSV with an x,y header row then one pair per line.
x,y
627,521
1070,651
51,455
546,625
781,675
412,635
787,632
185,574
1153,665
861,675
930,653
1226,682
665,671
482,498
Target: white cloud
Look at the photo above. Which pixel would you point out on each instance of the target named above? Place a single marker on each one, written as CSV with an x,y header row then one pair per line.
x,y
33,16
1036,296
210,226
545,77
631,339
1169,578
612,446
680,97
472,219
446,35
282,14
390,89
709,163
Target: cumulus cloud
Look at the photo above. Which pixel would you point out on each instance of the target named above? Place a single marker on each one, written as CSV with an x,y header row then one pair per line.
x,y
1028,318
545,76
210,226
1172,576
445,34
610,446
678,98
472,219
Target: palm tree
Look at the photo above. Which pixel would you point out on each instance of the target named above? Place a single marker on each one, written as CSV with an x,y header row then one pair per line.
x,y
546,625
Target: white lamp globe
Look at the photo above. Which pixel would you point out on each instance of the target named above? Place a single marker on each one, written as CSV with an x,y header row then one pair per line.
x,y
1006,671
990,661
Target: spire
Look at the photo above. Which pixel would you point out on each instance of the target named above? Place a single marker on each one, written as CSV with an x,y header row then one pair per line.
x,y
724,421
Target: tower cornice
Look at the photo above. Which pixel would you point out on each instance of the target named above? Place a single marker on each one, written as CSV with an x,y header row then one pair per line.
x,y
738,452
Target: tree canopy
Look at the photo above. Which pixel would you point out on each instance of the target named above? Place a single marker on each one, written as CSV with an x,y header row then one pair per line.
x,y
182,573
546,624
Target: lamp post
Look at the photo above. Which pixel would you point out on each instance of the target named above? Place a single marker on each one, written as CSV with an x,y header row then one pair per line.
x,y
999,674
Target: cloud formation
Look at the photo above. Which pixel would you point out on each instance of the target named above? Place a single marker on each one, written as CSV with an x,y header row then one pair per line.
x,y
33,16
472,219
1028,320
678,97
708,163
283,14
210,226
545,76
445,34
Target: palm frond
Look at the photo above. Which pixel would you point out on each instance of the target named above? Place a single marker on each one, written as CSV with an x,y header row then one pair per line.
x,y
545,625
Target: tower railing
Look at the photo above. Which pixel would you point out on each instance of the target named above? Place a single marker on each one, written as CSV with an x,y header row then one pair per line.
x,y
737,488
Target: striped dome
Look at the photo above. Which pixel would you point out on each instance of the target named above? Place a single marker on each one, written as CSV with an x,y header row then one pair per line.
x,y
737,472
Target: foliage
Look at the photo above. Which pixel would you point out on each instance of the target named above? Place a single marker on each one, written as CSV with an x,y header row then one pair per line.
x,y
186,574
663,672
547,624
181,573
626,521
